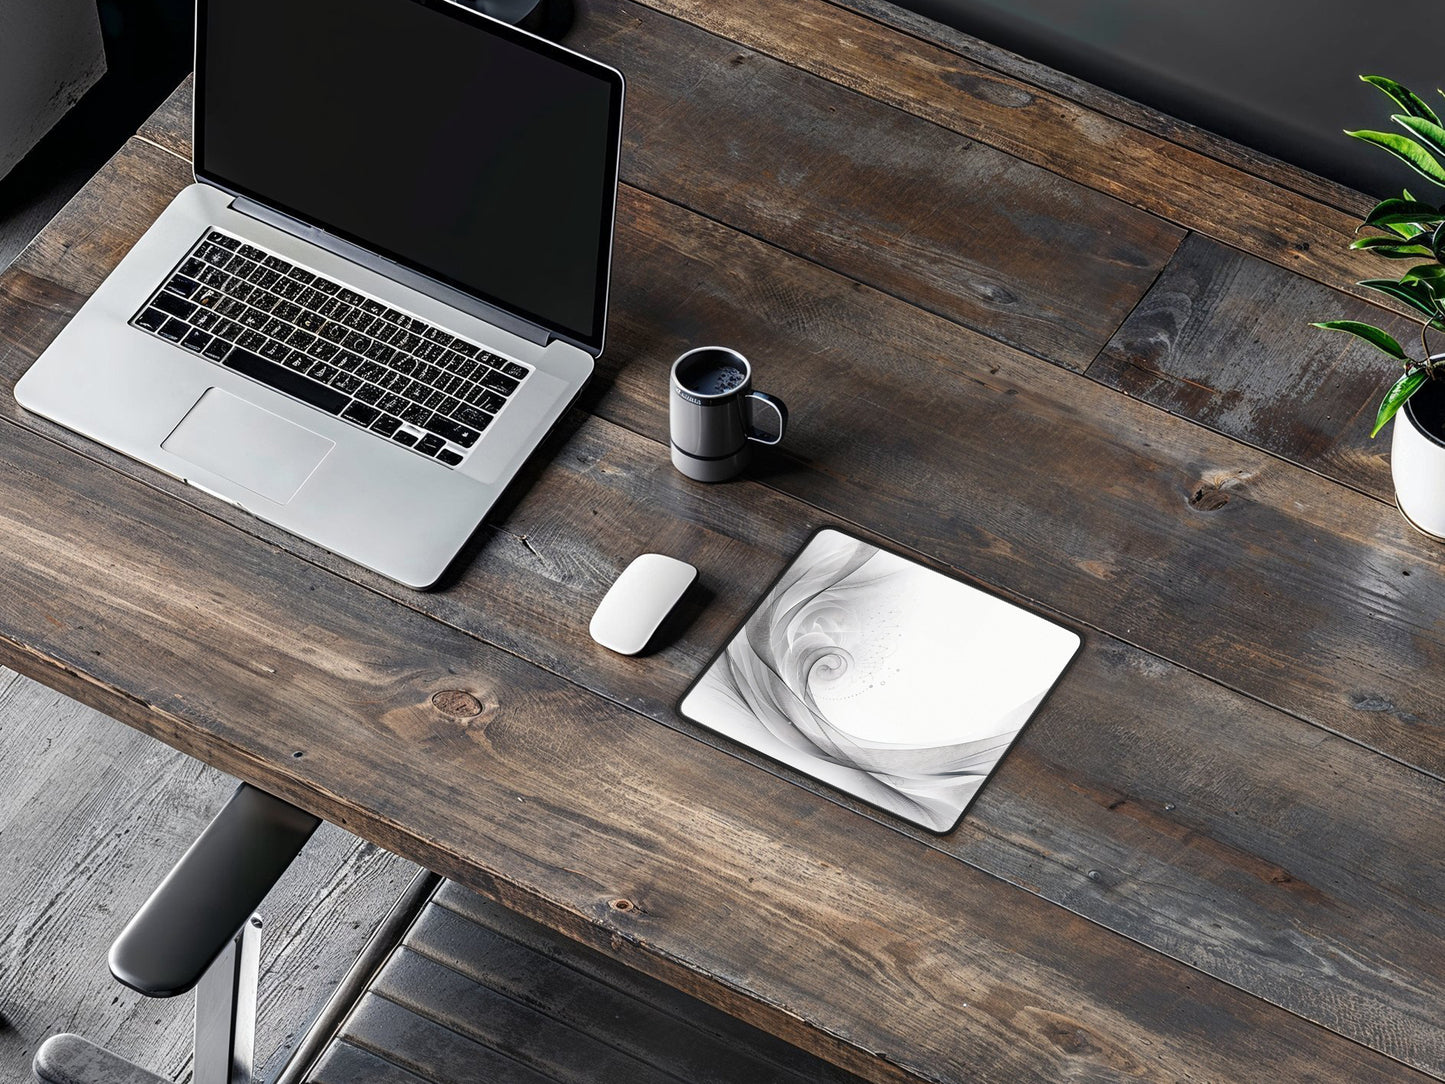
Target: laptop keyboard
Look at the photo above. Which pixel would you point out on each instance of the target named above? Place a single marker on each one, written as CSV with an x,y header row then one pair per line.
x,y
353,356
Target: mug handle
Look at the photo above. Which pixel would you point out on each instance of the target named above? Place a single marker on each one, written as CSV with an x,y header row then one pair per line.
x,y
778,408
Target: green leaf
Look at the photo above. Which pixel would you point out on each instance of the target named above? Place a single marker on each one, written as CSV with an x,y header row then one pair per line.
x,y
1371,334
1415,294
1427,131
1437,241
1406,99
1427,273
1395,398
1393,248
1393,212
1407,150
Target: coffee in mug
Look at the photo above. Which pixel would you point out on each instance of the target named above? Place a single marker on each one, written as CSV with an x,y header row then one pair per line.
x,y
715,415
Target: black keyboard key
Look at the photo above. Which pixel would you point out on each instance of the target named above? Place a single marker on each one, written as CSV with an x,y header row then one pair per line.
x,y
151,319
434,398
321,371
429,444
466,349
274,350
347,382
369,393
298,362
498,382
251,252
196,340
372,306
489,401
283,379
229,330
432,352
351,297
192,267
311,321
437,335
174,329
264,300
226,242
386,425
449,457
276,263
208,297
183,286
471,416
359,319
417,415
213,276
370,370
392,404
361,414
174,306
206,320
252,319
406,341
403,437
323,350
301,275
428,374
288,288
356,341
218,349
515,371
277,329
251,340
346,361
325,286
333,332
450,430
300,339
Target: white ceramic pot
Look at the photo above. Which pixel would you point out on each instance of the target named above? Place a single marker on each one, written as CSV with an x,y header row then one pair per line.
x,y
1417,459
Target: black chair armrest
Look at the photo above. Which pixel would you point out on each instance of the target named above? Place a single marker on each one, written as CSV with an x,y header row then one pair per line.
x,y
200,906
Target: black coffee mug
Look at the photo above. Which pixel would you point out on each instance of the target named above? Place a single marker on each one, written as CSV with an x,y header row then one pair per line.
x,y
714,413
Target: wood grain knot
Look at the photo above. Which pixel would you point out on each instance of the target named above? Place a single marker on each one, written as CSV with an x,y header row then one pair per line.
x,y
1208,498
456,703
622,905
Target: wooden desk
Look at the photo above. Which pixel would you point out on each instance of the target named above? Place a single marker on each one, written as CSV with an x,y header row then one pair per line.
x,y
1033,334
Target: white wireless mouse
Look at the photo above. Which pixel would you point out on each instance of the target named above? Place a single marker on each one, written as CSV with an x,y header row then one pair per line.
x,y
637,602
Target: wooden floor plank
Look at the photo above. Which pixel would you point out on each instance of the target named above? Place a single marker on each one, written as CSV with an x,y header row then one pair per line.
x,y
347,1064
1180,184
545,782
92,815
1219,339
596,996
476,1010
430,1050
527,582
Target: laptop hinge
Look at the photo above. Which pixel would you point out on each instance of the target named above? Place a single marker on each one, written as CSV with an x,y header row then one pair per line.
x,y
447,295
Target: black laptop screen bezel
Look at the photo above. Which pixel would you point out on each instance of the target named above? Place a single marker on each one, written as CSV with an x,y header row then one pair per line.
x,y
589,339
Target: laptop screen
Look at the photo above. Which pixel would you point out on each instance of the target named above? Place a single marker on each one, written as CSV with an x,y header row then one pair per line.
x,y
456,146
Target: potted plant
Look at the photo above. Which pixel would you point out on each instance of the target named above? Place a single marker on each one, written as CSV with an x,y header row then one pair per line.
x,y
1413,230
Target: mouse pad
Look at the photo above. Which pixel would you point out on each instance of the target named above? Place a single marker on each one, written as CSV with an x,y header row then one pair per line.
x,y
890,681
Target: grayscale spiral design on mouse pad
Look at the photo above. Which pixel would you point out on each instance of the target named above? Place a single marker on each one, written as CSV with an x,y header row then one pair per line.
x,y
888,680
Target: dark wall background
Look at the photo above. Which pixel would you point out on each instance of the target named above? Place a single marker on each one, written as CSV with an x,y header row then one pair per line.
x,y
1277,75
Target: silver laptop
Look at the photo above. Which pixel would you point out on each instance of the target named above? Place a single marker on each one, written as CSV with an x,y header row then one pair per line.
x,y
387,284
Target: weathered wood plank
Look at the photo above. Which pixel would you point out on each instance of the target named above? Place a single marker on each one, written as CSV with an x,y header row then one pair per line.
x,y
92,815
534,575
562,804
1098,100
1177,183
1223,339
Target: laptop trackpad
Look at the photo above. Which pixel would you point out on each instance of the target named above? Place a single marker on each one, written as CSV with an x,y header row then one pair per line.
x,y
247,445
